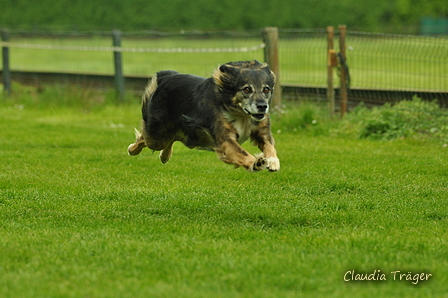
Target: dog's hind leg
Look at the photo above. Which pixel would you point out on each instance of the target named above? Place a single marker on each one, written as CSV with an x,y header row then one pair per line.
x,y
137,147
166,153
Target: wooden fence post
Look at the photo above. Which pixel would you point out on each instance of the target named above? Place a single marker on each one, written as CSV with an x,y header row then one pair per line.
x,y
118,63
331,63
344,75
270,38
6,72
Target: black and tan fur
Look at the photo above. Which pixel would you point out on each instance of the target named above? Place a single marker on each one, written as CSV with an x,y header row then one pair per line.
x,y
217,113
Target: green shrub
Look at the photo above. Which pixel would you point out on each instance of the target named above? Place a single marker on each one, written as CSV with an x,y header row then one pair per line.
x,y
407,119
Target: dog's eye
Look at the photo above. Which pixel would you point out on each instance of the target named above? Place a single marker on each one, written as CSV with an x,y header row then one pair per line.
x,y
266,90
247,90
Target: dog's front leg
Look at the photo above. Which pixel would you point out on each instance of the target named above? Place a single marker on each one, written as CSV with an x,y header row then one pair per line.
x,y
273,163
231,152
266,143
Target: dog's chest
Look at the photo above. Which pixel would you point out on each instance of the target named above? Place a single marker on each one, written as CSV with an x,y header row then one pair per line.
x,y
244,127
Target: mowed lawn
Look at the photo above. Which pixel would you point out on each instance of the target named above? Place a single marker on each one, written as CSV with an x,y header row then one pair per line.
x,y
80,218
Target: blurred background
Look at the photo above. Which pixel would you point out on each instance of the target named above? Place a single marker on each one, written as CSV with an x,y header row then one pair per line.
x,y
393,49
387,16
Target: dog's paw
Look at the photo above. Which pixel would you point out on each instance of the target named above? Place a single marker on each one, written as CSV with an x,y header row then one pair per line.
x,y
273,164
135,149
259,164
165,155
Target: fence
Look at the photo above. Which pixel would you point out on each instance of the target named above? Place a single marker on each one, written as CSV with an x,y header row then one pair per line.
x,y
88,57
381,67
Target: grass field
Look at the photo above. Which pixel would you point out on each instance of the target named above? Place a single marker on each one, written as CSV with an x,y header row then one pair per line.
x,y
80,218
378,62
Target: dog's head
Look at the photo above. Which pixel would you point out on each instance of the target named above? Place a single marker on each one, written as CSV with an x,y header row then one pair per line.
x,y
248,86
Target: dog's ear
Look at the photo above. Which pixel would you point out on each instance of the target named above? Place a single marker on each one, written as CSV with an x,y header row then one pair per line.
x,y
265,67
224,76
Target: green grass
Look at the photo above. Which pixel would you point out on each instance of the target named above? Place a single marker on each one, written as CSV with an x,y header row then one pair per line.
x,y
378,62
80,218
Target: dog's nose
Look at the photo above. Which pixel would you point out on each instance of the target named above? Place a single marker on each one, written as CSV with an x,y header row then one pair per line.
x,y
262,107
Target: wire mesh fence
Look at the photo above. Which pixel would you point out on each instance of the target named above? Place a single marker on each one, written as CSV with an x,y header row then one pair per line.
x,y
303,57
398,62
382,67
390,68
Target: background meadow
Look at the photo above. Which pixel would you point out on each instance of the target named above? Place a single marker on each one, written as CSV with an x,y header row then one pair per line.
x,y
376,61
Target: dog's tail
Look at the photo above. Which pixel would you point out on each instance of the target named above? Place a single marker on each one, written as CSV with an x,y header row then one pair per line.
x,y
149,91
154,83
151,88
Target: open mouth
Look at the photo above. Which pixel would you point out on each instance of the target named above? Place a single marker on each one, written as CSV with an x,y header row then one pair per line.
x,y
256,117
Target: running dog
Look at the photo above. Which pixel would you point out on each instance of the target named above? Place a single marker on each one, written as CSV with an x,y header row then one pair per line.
x,y
217,114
